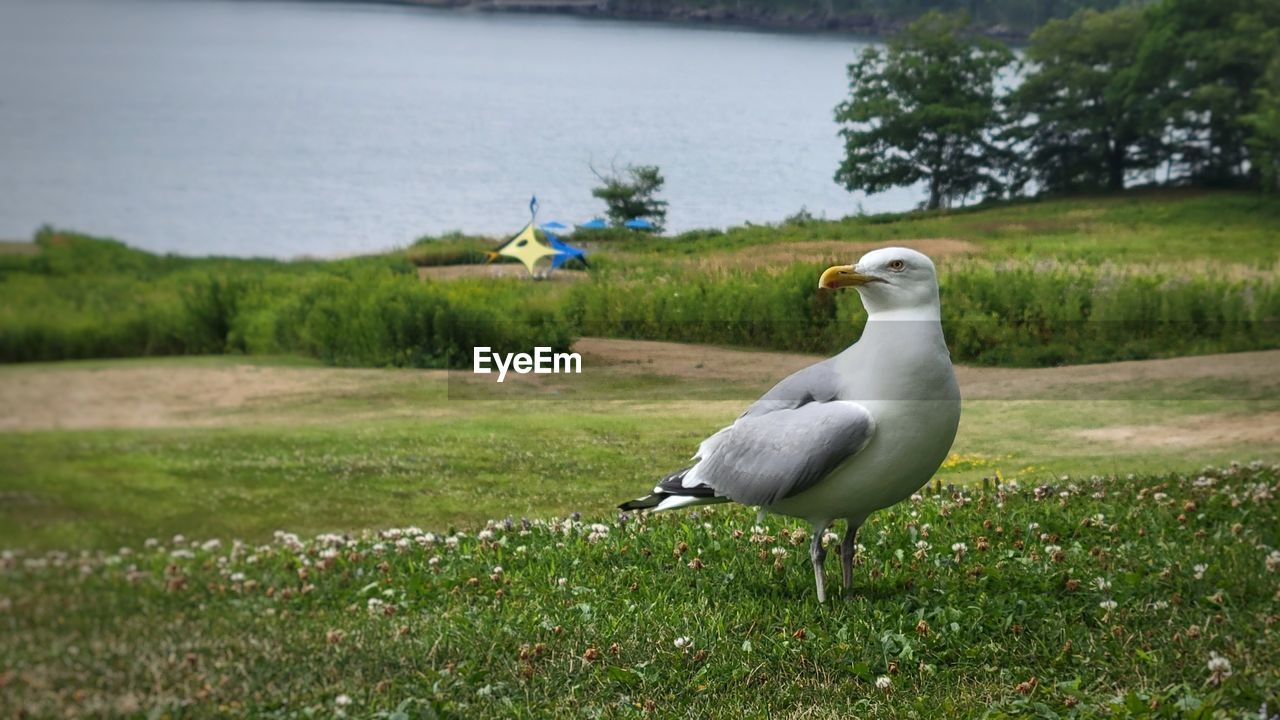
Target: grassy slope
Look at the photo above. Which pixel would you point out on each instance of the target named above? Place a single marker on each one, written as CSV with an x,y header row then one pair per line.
x,y
1165,226
996,604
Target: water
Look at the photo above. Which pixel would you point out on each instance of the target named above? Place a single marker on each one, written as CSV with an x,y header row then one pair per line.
x,y
291,128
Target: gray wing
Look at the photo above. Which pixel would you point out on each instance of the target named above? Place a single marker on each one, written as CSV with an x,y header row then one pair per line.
x,y
791,438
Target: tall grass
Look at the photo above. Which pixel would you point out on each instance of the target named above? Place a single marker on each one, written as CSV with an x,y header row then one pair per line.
x,y
1016,314
84,298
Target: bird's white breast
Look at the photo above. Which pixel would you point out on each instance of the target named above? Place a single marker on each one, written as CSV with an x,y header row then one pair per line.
x,y
907,383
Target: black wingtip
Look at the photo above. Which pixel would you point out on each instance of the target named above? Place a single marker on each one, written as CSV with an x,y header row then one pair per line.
x,y
644,503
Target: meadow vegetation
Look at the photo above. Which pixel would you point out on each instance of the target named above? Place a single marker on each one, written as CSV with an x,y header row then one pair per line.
x,y
1034,284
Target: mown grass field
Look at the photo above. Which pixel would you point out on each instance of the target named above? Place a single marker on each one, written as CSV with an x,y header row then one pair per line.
x,y
103,454
1086,597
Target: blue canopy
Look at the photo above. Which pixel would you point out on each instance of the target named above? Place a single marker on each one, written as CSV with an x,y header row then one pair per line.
x,y
639,224
553,225
566,252
594,224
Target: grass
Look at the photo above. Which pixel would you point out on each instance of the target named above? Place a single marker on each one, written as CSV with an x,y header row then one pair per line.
x,y
1023,284
979,603
1006,612
356,449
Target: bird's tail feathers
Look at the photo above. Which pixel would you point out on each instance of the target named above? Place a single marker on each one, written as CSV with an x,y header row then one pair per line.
x,y
671,493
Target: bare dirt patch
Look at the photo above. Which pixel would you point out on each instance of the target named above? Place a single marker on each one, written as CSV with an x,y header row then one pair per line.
x,y
707,362
499,270
188,395
691,362
18,247
825,251
1193,431
157,396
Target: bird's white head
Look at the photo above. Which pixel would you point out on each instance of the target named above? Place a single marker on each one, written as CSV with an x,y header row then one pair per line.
x,y
894,281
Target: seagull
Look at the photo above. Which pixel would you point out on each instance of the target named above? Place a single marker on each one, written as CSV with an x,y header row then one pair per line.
x,y
846,436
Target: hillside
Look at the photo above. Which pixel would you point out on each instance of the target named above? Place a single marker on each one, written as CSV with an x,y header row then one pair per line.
x,y
1002,18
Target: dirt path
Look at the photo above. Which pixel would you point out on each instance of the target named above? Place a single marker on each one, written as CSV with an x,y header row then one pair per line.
x,y
188,394
706,362
498,270
155,396
781,255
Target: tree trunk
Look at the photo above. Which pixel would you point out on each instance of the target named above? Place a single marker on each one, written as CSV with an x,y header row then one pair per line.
x,y
935,193
1115,167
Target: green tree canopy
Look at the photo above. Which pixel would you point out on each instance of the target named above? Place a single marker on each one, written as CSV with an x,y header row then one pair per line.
x,y
1264,126
923,111
1085,113
633,193
1211,55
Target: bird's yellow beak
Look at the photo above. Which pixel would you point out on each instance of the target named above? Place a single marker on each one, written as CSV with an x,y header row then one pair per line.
x,y
843,276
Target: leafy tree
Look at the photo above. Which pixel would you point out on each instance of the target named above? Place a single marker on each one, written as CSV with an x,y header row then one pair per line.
x,y
1264,127
1211,54
925,110
633,195
1087,117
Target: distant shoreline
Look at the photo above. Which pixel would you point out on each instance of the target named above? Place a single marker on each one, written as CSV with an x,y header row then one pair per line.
x,y
858,24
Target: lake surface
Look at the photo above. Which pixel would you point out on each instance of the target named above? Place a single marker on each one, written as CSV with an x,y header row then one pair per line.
x,y
287,128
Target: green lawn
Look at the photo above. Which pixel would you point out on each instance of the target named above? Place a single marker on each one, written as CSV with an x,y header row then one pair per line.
x,y
1145,597
369,449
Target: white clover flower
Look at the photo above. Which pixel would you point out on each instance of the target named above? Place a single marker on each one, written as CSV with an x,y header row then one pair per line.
x,y
959,548
179,539
1273,561
829,538
374,605
485,535
1107,605
342,701
430,537
883,682
1160,497
151,542
237,577
1102,583
562,582
1219,668
779,552
1199,570
434,562
1033,527
1052,549
451,542
182,553
683,642
600,528
404,543
497,569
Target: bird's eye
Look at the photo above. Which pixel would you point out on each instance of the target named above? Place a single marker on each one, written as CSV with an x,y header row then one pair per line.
x,y
897,266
